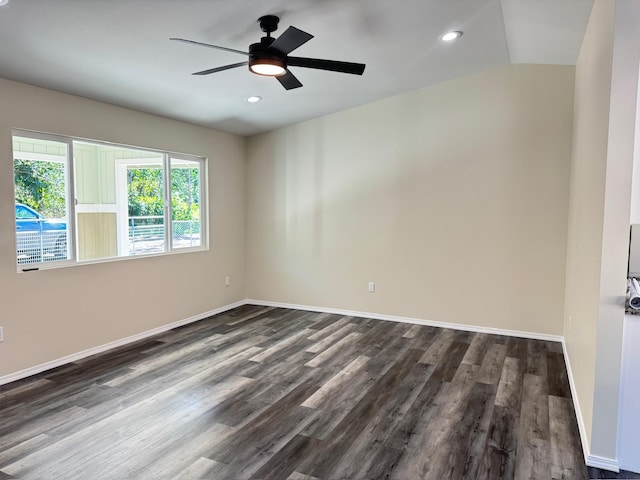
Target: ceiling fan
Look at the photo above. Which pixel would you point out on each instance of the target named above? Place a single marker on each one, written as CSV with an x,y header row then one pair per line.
x,y
270,57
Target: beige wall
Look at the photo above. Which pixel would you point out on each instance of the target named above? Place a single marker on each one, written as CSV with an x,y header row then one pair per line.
x,y
49,314
453,199
602,165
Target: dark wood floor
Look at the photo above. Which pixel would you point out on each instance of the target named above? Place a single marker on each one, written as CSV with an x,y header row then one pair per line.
x,y
273,393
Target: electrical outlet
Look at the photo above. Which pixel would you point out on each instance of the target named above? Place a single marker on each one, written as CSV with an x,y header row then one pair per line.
x,y
372,287
227,281
1,334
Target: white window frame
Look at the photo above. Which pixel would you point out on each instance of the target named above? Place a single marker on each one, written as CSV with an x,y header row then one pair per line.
x,y
72,211
70,203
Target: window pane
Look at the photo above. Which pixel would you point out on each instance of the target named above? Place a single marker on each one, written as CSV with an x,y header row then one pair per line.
x,y
185,203
120,201
40,182
145,186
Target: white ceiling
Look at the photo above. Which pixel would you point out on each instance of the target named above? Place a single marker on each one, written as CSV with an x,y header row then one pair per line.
x,y
118,51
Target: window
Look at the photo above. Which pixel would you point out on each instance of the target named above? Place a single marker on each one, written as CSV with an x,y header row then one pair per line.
x,y
127,201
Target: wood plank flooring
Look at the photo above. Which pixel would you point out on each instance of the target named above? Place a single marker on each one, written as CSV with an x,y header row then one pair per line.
x,y
268,393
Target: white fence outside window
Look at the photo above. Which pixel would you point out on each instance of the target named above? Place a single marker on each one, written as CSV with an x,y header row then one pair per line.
x,y
41,247
145,237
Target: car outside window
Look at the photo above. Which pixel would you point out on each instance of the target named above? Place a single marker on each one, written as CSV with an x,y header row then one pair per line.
x,y
25,213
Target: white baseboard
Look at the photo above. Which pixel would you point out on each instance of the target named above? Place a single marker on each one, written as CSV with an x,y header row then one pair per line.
x,y
590,460
140,336
610,464
416,321
12,377
603,463
576,406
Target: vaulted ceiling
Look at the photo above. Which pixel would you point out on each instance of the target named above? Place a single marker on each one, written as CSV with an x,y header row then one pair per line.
x,y
118,51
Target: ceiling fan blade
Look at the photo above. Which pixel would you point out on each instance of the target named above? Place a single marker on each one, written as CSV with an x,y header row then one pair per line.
x,y
220,69
291,39
331,65
209,45
289,81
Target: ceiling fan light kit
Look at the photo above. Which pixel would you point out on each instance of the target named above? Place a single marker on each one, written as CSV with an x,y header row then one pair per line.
x,y
267,67
266,62
270,56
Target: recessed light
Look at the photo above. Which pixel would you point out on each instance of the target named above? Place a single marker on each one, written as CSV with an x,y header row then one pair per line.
x,y
254,99
3,2
449,36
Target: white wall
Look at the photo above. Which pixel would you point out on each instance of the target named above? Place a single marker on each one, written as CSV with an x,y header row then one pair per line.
x,y
49,314
620,149
601,173
453,199
629,425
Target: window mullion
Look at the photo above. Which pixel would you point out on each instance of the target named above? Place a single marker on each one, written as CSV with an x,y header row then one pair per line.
x,y
168,214
71,191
